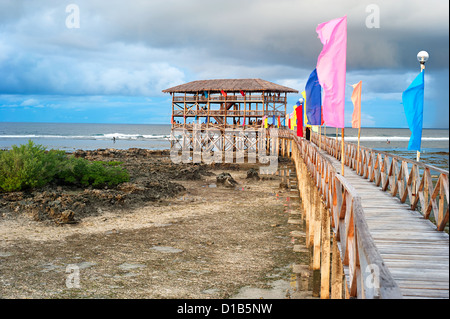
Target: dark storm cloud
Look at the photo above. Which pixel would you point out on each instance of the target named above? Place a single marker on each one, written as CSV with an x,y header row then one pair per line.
x,y
141,47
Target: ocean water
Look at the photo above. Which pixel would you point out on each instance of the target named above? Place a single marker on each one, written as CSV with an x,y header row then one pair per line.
x,y
70,137
435,143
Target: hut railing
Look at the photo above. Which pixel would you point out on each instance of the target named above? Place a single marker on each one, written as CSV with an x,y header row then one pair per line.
x,y
231,113
366,274
235,98
424,187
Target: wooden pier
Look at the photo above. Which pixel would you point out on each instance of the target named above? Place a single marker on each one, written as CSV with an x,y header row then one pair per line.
x,y
378,229
369,229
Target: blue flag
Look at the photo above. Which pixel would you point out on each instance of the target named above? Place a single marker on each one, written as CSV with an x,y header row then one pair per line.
x,y
413,104
313,92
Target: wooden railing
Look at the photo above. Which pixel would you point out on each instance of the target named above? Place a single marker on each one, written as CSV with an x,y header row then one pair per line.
x,y
235,98
230,113
424,187
366,274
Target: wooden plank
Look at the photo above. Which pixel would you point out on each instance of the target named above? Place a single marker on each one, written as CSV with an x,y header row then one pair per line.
x,y
436,285
425,293
300,249
298,234
294,221
410,246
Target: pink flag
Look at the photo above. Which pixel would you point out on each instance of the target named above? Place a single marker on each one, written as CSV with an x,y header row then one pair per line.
x,y
356,99
331,69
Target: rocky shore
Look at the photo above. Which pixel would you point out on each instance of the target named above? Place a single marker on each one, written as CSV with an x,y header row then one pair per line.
x,y
173,231
152,176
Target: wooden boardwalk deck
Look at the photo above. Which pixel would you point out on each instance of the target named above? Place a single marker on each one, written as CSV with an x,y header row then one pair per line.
x,y
416,254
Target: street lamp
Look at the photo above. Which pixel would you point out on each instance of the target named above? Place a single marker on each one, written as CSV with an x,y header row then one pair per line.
x,y
422,57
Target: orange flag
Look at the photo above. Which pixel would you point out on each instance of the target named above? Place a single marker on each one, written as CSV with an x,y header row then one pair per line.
x,y
356,99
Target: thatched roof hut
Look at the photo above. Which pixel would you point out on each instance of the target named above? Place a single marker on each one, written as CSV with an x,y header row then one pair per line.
x,y
230,85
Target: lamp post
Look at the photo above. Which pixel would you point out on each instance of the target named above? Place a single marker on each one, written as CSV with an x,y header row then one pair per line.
x,y
422,57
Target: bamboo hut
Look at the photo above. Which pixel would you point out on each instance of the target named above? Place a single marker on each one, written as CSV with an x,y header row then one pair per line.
x,y
227,103
222,106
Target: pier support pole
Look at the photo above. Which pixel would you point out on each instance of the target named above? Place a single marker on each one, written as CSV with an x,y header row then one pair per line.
x,y
316,240
325,255
336,272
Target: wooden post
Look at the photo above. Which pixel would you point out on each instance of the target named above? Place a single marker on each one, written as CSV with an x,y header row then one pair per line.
x,y
337,143
325,255
305,201
336,271
184,110
317,241
207,117
320,137
357,155
310,211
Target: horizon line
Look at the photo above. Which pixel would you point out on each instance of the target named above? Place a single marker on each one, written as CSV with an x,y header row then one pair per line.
x,y
426,128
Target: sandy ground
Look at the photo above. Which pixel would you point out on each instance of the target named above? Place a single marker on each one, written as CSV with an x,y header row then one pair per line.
x,y
211,242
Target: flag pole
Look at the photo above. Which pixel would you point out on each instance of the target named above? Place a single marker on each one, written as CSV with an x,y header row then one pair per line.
x,y
357,156
337,144
320,137
342,151
422,67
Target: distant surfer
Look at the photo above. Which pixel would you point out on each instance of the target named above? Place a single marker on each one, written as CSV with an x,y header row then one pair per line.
x,y
388,142
114,139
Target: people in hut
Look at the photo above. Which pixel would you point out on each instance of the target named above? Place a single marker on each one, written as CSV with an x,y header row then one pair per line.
x,y
308,133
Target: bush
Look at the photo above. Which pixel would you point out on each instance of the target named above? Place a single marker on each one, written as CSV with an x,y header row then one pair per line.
x,y
30,166
81,172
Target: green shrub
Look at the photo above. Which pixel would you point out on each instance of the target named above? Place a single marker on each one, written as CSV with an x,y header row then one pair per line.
x,y
81,172
30,166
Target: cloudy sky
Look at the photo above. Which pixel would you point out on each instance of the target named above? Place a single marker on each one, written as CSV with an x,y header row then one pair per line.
x,y
112,66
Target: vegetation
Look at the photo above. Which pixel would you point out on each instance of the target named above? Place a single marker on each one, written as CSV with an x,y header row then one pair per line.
x,y
30,166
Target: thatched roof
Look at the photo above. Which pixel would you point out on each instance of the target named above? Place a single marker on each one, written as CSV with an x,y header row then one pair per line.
x,y
230,85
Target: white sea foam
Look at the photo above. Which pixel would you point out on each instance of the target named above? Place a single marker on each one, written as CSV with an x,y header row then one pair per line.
x,y
118,136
